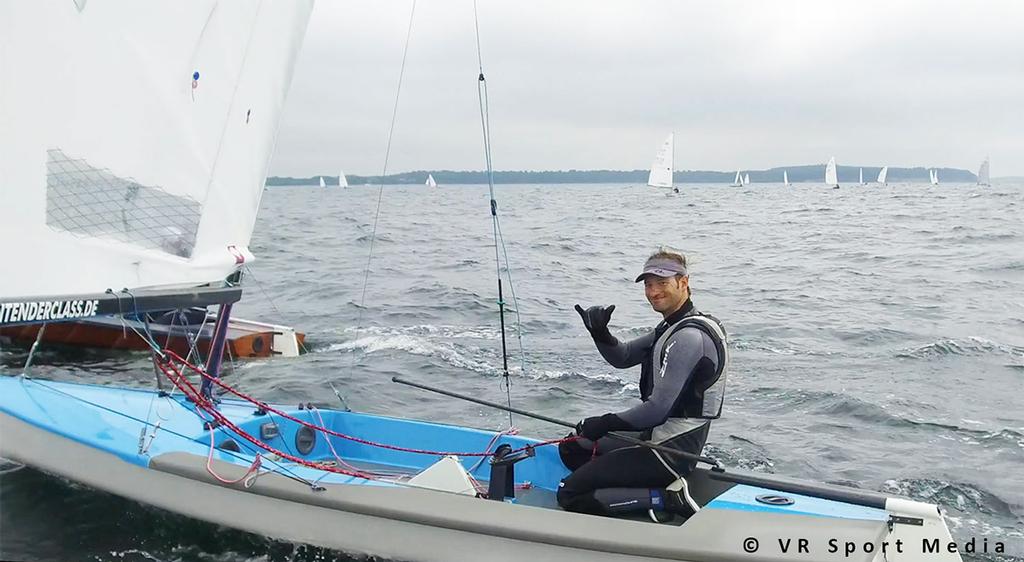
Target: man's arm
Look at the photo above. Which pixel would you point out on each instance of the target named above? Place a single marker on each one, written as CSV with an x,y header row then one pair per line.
x,y
618,354
624,355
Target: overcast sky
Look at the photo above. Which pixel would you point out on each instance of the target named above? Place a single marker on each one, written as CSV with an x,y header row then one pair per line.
x,y
599,85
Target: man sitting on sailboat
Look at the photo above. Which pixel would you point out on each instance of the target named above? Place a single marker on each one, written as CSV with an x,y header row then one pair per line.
x,y
682,386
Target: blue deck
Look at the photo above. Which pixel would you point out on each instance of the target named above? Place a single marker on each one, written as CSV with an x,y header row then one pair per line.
x,y
111,418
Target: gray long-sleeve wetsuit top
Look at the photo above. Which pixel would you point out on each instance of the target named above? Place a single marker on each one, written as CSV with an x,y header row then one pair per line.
x,y
690,355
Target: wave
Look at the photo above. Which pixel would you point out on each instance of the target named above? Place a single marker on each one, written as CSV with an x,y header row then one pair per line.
x,y
977,238
379,237
961,496
741,453
972,346
832,404
414,345
417,340
431,330
601,381
756,345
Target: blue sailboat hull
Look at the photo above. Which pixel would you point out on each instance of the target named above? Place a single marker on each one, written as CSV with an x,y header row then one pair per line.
x,y
155,449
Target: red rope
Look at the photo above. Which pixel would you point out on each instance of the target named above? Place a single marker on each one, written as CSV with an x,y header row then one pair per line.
x,y
189,390
267,407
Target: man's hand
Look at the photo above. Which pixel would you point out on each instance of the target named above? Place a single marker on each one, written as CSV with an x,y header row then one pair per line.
x,y
596,427
596,320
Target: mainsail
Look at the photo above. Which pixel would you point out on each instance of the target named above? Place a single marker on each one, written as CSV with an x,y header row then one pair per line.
x,y
738,182
746,179
136,146
342,180
430,181
785,178
831,177
322,182
881,174
661,169
933,176
983,173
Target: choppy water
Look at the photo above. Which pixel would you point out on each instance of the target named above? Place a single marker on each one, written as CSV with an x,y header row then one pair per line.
x,y
878,337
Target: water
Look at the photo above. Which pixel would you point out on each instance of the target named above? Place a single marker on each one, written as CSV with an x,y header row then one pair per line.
x,y
877,337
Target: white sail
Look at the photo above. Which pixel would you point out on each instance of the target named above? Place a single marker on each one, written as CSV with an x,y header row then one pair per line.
x,y
933,176
831,177
983,173
135,148
785,178
881,175
322,182
862,176
661,169
342,180
746,179
738,181
430,181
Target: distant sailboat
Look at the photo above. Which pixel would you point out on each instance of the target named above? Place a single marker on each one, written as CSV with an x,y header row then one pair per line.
x,y
862,177
322,184
882,174
785,178
933,176
746,179
983,174
738,182
430,181
661,169
342,180
831,177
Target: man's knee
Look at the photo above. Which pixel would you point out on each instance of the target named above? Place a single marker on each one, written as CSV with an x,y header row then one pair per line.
x,y
573,455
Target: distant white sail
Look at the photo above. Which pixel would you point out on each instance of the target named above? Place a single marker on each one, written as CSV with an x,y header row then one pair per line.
x,y
738,182
983,173
746,179
430,181
831,177
342,180
661,169
322,183
785,178
934,176
862,177
136,146
882,174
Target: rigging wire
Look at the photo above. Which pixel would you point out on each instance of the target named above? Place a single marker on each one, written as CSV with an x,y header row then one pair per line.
x,y
499,240
384,172
248,272
380,197
285,471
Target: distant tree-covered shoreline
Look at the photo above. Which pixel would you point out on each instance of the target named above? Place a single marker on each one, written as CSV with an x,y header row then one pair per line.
x,y
797,174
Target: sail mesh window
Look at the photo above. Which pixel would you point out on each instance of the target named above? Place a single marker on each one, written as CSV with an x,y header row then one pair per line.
x,y
89,201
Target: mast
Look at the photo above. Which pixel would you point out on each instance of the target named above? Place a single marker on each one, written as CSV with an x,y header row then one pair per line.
x,y
485,124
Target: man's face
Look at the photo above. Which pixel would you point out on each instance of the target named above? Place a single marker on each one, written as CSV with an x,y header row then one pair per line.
x,y
666,294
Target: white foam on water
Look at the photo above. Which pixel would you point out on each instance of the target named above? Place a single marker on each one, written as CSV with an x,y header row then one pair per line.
x,y
415,346
625,386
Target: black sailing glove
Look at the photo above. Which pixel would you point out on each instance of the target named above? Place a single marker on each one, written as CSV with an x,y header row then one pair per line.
x,y
597,427
596,320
